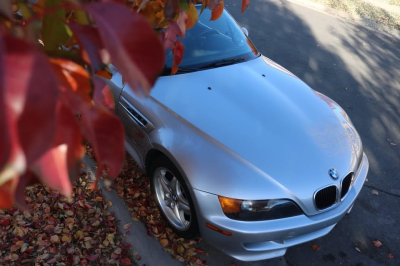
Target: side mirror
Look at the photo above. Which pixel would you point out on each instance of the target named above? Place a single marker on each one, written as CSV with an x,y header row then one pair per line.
x,y
245,31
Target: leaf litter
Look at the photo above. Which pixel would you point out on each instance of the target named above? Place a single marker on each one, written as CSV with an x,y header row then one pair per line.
x,y
61,231
133,186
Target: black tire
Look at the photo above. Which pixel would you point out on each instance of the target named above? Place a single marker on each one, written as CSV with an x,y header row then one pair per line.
x,y
185,225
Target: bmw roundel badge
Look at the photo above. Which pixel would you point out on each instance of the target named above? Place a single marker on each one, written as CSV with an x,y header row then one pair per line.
x,y
333,173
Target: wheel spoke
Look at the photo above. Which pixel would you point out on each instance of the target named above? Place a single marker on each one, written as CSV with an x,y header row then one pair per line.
x,y
178,214
164,182
172,185
184,207
181,196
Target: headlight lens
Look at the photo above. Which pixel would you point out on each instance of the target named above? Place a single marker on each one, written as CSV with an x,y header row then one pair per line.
x,y
258,210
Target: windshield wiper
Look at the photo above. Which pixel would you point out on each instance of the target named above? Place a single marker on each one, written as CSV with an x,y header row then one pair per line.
x,y
181,70
224,62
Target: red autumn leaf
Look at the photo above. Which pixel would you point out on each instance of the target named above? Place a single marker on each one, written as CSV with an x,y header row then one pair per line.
x,y
31,117
102,94
390,256
217,12
171,33
5,221
106,133
199,251
315,247
126,261
377,243
132,43
52,169
93,257
89,40
177,51
53,250
245,4
68,132
72,79
7,190
171,8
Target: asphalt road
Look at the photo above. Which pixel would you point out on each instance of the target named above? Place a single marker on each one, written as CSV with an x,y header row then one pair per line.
x,y
360,69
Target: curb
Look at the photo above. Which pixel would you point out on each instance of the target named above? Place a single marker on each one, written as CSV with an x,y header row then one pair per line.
x,y
148,248
388,31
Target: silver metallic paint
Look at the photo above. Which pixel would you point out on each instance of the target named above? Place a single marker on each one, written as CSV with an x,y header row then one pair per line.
x,y
259,133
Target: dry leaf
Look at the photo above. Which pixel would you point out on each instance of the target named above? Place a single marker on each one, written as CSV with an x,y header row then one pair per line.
x,y
54,219
66,238
96,223
54,239
377,243
375,192
391,143
390,256
315,247
117,251
127,226
358,249
164,242
110,238
180,249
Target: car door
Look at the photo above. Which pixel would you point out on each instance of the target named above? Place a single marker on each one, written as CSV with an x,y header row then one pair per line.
x,y
137,126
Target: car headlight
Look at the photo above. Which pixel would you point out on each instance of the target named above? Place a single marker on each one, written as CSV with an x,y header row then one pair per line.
x,y
258,210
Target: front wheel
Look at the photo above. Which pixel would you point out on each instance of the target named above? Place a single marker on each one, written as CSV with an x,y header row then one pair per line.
x,y
173,198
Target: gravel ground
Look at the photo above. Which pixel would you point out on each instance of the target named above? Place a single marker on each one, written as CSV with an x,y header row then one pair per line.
x,y
385,12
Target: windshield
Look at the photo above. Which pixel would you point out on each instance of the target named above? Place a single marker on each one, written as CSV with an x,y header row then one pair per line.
x,y
209,42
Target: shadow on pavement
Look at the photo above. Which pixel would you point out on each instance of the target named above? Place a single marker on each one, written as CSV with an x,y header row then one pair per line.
x,y
360,69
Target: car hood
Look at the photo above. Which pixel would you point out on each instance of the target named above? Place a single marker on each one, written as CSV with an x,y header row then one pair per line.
x,y
269,118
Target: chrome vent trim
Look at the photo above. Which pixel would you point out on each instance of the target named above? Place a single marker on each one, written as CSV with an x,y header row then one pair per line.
x,y
134,113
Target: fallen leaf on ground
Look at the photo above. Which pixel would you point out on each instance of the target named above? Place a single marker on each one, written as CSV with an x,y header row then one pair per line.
x,y
375,192
358,249
163,242
377,243
390,256
391,143
134,187
315,247
59,231
127,226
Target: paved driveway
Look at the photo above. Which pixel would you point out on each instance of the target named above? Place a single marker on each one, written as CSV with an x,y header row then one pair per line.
x,y
360,69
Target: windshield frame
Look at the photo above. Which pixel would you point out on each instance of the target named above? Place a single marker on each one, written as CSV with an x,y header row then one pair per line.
x,y
187,68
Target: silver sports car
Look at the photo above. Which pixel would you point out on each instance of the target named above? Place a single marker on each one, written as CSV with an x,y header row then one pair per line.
x,y
240,150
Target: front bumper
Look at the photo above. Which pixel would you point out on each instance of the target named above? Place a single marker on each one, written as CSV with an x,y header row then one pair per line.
x,y
261,240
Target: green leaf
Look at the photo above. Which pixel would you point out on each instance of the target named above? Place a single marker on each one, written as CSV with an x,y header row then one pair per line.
x,y
55,33
203,5
183,5
134,48
81,17
25,10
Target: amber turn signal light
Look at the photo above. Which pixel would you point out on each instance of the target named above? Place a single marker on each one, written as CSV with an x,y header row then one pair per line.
x,y
218,230
230,205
